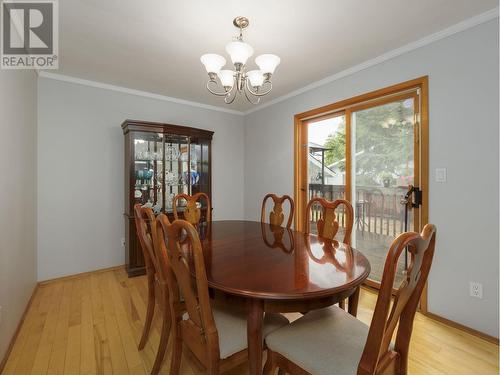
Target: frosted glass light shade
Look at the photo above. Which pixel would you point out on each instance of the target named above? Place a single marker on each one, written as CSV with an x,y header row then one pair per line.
x,y
226,78
239,52
267,63
256,78
213,62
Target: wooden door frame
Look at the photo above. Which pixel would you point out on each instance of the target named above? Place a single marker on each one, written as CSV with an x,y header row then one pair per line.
x,y
372,98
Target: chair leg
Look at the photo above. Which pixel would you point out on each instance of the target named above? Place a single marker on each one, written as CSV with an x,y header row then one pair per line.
x,y
342,304
162,347
353,303
270,366
281,371
175,362
149,312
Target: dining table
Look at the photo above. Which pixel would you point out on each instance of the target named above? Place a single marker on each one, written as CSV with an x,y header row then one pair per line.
x,y
270,269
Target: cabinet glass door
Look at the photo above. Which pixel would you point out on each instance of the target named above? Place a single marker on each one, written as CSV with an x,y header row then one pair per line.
x,y
199,166
148,166
176,168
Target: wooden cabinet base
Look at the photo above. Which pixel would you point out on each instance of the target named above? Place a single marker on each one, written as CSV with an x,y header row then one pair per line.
x,y
135,271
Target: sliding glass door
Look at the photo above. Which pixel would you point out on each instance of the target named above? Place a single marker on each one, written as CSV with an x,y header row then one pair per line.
x,y
368,152
383,166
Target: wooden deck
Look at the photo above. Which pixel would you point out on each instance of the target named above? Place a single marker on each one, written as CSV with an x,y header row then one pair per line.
x,y
375,246
91,324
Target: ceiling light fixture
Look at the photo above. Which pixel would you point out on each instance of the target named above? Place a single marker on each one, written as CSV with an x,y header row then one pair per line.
x,y
254,83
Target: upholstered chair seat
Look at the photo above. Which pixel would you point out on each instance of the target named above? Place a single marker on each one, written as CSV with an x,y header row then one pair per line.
x,y
232,327
322,342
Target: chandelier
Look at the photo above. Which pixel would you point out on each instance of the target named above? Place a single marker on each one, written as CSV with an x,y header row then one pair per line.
x,y
253,84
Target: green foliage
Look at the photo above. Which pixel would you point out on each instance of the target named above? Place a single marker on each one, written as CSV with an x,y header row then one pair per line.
x,y
336,143
384,143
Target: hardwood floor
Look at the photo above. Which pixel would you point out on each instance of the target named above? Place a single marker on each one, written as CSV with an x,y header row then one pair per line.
x,y
91,325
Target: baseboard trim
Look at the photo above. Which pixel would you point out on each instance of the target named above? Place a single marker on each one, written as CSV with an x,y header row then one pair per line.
x,y
461,327
16,332
76,275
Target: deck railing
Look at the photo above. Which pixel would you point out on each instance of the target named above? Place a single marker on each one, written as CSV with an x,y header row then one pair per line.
x,y
377,210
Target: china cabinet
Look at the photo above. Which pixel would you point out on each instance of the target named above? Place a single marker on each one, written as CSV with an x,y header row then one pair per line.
x,y
161,161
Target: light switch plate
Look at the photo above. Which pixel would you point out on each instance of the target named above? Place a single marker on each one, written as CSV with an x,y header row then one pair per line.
x,y
440,174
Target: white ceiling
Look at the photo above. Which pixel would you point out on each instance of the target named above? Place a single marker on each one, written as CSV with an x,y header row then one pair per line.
x,y
155,45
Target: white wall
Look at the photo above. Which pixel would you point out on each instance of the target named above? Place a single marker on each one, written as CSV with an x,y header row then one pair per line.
x,y
80,170
17,197
464,123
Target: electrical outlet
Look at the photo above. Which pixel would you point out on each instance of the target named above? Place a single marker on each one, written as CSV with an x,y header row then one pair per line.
x,y
476,289
123,241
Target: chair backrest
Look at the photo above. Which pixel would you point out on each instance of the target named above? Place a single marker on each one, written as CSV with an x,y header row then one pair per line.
x,y
182,245
327,224
276,216
146,232
192,213
377,355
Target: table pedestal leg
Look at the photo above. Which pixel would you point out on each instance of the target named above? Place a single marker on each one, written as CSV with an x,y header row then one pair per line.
x,y
254,335
353,303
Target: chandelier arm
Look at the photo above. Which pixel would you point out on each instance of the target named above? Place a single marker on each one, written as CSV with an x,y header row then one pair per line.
x,y
254,93
250,99
214,92
228,99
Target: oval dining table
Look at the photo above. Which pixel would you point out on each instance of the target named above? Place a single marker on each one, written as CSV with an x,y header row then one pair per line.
x,y
274,269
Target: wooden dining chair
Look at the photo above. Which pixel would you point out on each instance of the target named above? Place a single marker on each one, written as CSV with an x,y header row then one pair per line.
x,y
276,216
147,234
192,213
216,336
331,341
328,224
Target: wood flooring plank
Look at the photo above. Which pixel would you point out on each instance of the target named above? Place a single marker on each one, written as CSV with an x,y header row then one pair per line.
x,y
102,352
60,344
73,352
117,352
127,338
42,357
88,361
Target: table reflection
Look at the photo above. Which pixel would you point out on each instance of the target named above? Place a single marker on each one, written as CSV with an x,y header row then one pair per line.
x,y
279,238
330,254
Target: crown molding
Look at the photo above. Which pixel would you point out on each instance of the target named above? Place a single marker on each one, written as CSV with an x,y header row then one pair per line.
x,y
457,28
454,29
125,90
